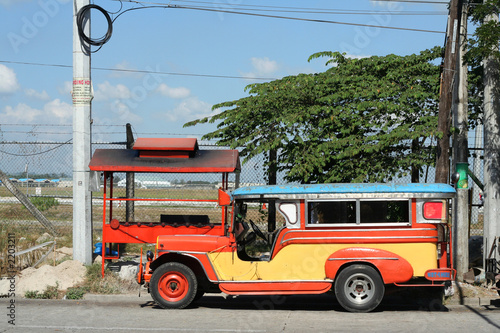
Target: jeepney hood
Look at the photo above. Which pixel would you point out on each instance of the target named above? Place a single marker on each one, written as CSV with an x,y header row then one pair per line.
x,y
191,243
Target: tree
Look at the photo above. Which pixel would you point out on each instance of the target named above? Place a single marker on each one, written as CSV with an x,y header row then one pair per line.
x,y
486,37
484,50
362,120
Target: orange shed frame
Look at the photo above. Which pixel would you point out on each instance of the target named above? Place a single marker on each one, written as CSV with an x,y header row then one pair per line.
x,y
158,155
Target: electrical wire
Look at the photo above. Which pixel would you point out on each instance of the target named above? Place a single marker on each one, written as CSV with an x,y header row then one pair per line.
x,y
141,71
81,19
300,10
280,8
227,11
313,20
82,15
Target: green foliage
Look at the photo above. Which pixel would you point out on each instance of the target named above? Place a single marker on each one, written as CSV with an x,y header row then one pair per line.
x,y
486,37
51,292
362,120
95,283
44,203
75,292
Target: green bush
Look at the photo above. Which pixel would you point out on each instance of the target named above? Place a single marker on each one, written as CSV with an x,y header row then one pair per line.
x,y
75,292
95,283
44,203
51,292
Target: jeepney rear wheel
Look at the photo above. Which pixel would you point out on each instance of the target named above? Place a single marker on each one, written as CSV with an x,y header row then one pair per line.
x,y
173,285
359,288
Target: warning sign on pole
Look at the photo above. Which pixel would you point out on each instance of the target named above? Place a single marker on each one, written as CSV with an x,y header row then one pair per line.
x,y
82,91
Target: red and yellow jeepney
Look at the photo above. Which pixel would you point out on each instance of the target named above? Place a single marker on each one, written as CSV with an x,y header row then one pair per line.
x,y
352,239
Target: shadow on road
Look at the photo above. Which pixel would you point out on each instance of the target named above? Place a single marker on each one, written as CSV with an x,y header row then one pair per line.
x,y
400,301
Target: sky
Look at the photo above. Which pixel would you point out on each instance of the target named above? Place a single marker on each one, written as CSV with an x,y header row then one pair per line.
x,y
179,62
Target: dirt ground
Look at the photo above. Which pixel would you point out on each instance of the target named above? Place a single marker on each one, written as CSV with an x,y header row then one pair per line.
x,y
65,275
468,290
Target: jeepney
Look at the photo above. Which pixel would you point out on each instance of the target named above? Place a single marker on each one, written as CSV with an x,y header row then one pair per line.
x,y
349,239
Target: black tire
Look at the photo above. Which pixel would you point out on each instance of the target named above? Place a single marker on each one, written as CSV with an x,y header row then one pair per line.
x,y
199,294
173,285
359,288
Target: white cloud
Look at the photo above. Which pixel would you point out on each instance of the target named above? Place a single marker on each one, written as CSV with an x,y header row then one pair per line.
x,y
179,92
262,67
56,111
66,88
59,110
106,91
8,81
125,69
7,3
189,109
390,5
122,111
21,112
32,93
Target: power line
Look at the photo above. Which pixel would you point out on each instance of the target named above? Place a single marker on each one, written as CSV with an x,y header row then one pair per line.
x,y
313,20
280,8
308,10
140,71
211,9
419,2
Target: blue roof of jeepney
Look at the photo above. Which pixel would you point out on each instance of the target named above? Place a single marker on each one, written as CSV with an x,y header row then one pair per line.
x,y
343,188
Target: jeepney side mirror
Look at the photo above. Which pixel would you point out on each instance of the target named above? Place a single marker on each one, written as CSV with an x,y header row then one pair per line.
x,y
455,177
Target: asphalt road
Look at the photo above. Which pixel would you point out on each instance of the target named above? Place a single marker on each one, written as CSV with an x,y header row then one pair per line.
x,y
216,313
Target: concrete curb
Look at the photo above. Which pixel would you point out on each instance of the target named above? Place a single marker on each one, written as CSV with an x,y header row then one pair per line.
x,y
474,301
145,297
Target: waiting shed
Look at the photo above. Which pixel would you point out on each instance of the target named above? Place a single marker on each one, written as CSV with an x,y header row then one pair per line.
x,y
160,155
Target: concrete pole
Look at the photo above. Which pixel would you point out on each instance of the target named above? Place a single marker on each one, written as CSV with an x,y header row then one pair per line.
x,y
460,155
82,97
491,154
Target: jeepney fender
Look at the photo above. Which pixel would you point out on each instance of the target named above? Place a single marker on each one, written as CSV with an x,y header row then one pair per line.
x,y
392,267
198,262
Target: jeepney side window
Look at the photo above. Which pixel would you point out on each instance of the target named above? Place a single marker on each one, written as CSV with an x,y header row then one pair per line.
x,y
384,211
332,212
359,211
290,212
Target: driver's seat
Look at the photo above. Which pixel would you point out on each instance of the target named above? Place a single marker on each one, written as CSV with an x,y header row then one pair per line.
x,y
242,253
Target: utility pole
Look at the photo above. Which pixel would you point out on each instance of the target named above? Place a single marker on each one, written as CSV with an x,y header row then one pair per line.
x,y
491,154
445,98
82,99
460,158
130,181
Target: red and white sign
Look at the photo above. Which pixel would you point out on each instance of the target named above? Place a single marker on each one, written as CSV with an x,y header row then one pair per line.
x,y
82,91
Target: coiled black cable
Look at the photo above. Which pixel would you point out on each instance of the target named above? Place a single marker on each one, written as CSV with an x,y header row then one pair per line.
x,y
80,17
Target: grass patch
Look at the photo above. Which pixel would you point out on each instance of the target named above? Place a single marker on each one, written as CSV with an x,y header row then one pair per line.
x,y
75,292
110,284
51,292
44,203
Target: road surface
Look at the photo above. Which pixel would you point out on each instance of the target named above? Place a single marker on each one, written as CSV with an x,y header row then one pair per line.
x,y
218,313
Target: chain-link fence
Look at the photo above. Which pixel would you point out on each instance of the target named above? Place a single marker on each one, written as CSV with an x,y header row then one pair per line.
x,y
42,170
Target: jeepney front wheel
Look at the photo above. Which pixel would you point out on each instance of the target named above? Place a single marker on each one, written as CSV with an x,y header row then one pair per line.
x,y
359,288
173,285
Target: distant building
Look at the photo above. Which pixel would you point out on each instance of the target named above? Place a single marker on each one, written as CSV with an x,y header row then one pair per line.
x,y
147,183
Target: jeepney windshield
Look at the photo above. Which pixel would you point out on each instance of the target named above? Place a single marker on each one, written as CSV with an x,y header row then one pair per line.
x,y
255,225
